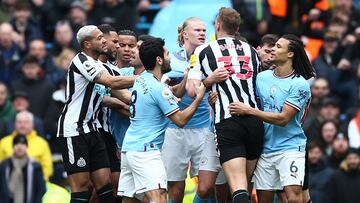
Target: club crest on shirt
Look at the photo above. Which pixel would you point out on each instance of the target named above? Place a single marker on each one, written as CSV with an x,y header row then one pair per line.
x,y
273,91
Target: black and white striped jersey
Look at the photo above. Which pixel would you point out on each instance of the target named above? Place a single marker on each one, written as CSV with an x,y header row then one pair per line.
x,y
82,97
103,113
242,63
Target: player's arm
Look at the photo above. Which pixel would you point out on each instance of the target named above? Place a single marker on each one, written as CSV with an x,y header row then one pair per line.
x,y
122,95
180,118
282,118
180,89
114,82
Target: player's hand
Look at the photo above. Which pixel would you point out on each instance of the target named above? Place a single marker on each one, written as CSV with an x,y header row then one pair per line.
x,y
200,90
239,108
212,98
219,75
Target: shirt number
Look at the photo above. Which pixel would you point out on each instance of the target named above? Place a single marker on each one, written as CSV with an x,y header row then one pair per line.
x,y
245,71
132,108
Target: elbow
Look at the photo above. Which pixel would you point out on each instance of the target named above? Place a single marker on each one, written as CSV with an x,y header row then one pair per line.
x,y
180,124
282,122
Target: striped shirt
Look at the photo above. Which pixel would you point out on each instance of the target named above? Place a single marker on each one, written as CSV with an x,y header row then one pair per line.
x,y
242,63
82,98
103,113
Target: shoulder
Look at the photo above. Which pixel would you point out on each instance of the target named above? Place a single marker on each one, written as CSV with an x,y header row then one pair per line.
x,y
264,74
203,46
6,140
301,82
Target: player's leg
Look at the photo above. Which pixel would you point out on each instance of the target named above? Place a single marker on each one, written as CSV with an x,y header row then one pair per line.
x,y
292,171
150,179
208,167
176,156
100,169
75,153
222,188
126,188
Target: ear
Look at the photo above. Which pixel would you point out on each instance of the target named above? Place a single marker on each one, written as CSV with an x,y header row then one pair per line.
x,y
290,54
87,44
185,34
159,60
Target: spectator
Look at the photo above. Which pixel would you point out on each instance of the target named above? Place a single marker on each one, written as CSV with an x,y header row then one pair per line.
x,y
319,173
354,130
38,147
6,10
64,59
113,12
328,111
52,72
37,88
6,110
26,28
64,39
345,183
340,147
255,19
10,53
78,16
20,102
21,178
328,131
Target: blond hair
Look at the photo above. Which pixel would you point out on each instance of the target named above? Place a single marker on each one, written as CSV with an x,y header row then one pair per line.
x,y
181,28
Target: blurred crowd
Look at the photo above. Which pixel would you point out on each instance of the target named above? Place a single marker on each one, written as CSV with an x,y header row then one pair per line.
x,y
37,43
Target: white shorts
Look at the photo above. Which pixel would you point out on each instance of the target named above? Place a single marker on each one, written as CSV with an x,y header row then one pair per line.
x,y
274,171
180,147
141,172
209,156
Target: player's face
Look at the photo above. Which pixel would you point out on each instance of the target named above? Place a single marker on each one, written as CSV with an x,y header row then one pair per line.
x,y
98,42
195,33
112,42
126,42
165,68
265,55
280,52
135,58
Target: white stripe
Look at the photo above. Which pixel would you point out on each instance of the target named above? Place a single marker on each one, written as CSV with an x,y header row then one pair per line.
x,y
70,150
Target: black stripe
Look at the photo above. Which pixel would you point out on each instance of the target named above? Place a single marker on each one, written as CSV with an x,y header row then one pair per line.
x,y
256,68
82,57
244,85
71,84
85,105
96,111
212,62
74,68
108,69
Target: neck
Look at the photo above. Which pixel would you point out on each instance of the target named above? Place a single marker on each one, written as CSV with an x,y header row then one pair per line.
x,y
284,69
92,54
103,58
139,70
222,34
123,64
189,50
157,73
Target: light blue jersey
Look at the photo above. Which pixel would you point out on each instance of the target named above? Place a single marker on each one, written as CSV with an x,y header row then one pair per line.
x,y
274,93
119,123
150,104
201,117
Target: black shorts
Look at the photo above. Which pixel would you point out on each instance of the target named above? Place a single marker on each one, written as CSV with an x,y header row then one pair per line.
x,y
112,150
83,153
240,136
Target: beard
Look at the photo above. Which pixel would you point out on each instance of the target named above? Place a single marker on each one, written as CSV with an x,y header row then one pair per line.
x,y
165,68
109,56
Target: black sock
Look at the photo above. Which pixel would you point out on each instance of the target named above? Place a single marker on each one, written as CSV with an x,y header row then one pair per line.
x,y
118,199
105,194
240,196
80,197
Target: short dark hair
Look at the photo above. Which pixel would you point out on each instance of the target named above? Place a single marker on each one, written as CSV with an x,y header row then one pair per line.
x,y
149,50
106,28
31,59
269,39
314,144
128,32
22,5
145,38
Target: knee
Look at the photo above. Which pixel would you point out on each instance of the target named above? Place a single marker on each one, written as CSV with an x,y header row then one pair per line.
x,y
176,193
205,191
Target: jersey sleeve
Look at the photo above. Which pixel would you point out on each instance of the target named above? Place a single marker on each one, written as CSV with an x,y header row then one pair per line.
x,y
299,96
166,100
195,66
88,68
